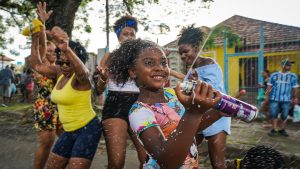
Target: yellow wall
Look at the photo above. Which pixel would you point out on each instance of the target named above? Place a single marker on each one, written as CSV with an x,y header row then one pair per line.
x,y
233,67
273,60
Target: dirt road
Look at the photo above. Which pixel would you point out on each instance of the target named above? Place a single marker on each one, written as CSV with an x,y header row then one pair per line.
x,y
18,141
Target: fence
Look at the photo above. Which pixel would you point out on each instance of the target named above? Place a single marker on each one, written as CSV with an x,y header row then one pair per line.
x,y
243,65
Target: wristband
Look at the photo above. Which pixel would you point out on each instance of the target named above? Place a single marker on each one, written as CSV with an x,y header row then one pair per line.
x,y
34,27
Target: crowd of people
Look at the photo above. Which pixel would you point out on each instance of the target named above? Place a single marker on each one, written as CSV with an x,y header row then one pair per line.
x,y
133,77
13,83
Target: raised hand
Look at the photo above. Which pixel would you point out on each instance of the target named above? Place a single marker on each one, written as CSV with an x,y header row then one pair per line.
x,y
59,37
41,11
103,74
202,98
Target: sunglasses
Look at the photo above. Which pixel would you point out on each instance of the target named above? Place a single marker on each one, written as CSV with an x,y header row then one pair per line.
x,y
61,63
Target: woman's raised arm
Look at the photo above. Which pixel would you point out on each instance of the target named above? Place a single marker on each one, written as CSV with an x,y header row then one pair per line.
x,y
35,59
61,40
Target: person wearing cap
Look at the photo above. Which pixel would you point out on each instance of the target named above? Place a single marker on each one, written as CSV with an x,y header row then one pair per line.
x,y
282,86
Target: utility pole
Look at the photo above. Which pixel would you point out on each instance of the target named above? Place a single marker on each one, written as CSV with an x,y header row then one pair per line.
x,y
107,25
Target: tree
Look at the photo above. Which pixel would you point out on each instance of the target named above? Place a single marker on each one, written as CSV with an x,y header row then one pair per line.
x,y
217,34
22,11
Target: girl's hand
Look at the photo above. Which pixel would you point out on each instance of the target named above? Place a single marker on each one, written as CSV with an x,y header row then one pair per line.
x,y
103,74
202,98
41,11
59,37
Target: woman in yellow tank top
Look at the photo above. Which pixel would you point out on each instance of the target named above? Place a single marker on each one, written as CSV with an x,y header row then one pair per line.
x,y
76,147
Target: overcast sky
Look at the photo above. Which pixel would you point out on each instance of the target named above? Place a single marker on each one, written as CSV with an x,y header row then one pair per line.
x,y
278,11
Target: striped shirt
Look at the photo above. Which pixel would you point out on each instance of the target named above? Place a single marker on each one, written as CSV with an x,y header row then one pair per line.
x,y
282,85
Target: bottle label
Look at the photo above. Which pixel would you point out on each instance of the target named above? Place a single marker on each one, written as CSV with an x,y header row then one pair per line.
x,y
237,108
228,105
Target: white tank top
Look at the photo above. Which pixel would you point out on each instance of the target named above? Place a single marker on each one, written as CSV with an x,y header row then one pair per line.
x,y
129,86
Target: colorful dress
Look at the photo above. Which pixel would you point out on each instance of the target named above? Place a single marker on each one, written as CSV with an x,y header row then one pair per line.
x,y
45,111
165,115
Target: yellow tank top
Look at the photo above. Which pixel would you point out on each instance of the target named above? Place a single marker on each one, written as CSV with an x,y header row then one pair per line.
x,y
74,106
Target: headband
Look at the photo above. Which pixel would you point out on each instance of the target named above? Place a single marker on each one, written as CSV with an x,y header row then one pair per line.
x,y
128,23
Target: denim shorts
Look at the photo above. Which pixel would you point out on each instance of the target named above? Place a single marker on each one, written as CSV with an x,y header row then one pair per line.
x,y
81,143
279,107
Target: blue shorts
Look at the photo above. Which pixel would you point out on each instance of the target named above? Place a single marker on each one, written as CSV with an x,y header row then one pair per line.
x,y
277,107
80,143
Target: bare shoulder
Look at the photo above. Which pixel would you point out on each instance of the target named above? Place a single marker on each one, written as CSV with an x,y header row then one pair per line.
x,y
56,68
209,61
203,61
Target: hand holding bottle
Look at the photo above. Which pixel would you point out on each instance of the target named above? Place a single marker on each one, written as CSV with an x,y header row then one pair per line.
x,y
201,99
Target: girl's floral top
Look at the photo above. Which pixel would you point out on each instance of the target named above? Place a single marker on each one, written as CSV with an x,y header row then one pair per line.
x,y
165,115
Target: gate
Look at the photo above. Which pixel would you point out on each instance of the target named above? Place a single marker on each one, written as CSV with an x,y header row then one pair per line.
x,y
250,66
243,65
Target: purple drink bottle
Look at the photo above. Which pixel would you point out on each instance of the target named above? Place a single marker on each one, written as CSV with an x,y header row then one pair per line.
x,y
228,105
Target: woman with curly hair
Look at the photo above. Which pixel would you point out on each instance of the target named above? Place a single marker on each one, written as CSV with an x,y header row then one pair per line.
x,y
118,103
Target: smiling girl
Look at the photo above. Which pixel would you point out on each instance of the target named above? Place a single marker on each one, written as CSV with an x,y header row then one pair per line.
x,y
163,126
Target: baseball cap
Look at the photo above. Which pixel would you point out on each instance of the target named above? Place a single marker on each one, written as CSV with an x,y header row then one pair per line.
x,y
286,62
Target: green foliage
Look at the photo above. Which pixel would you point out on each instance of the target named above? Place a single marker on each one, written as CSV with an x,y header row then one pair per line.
x,y
3,29
20,107
218,35
13,14
202,1
88,28
14,52
130,4
18,13
85,2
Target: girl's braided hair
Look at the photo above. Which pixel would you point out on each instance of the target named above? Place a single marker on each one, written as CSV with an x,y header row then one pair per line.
x,y
263,157
125,57
190,35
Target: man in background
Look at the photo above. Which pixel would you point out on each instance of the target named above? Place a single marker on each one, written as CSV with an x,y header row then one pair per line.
x,y
282,86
